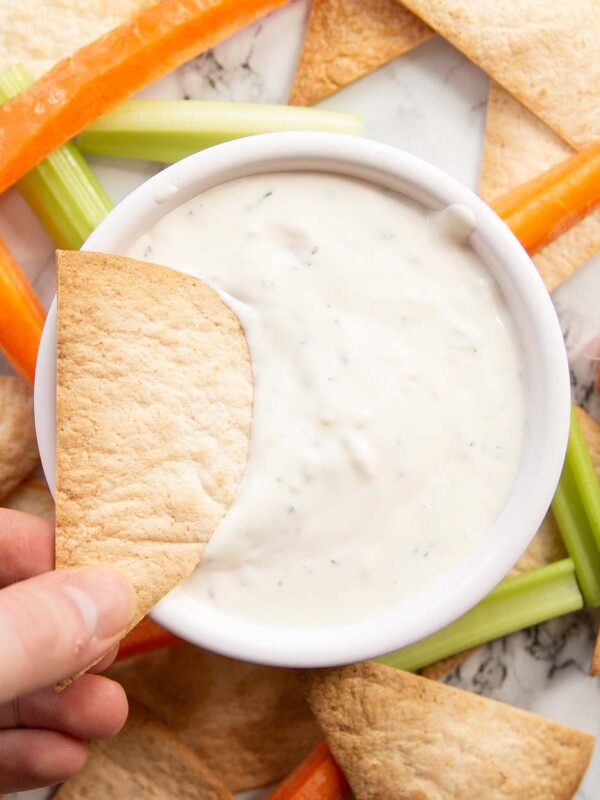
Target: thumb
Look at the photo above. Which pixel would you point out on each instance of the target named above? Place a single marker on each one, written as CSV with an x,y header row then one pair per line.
x,y
54,625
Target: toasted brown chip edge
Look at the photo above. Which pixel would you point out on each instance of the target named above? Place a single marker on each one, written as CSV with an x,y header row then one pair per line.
x,y
347,39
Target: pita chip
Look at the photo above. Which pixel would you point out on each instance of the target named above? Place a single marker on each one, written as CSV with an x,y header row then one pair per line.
x,y
32,496
18,445
145,760
400,736
347,39
250,724
544,53
154,406
517,147
38,33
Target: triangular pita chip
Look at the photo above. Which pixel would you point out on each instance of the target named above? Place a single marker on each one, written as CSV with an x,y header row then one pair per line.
x,y
32,496
249,723
347,39
143,762
544,53
18,445
517,147
398,736
154,406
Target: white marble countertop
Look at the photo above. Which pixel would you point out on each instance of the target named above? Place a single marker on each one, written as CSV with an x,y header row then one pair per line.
x,y
430,102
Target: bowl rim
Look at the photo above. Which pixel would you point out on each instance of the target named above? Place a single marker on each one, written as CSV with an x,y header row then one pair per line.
x,y
544,356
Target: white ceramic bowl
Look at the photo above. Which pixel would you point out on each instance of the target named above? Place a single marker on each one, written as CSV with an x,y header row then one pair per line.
x,y
546,377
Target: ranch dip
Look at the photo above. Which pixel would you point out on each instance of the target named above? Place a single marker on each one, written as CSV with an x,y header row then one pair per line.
x,y
389,406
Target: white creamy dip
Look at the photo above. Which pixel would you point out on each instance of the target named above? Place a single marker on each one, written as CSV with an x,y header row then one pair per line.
x,y
389,406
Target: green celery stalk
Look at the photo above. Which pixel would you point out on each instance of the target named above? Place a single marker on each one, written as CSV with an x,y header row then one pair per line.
x,y
584,476
167,130
572,520
62,191
516,603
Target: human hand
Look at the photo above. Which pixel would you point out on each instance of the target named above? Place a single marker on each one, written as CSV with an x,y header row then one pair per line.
x,y
51,627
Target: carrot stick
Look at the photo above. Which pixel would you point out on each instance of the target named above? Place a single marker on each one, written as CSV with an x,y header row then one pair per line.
x,y
146,637
318,777
103,73
21,316
540,210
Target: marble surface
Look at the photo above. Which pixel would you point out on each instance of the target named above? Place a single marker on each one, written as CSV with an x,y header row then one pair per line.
x,y
432,103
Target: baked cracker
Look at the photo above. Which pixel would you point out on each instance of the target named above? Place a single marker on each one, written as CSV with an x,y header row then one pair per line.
x,y
154,406
544,53
249,723
144,761
347,39
397,735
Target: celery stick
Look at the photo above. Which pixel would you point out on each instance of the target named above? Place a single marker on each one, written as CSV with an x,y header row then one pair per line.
x,y
514,604
62,190
575,530
167,130
585,478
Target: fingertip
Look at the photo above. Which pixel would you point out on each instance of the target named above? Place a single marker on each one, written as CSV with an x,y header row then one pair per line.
x,y
116,707
67,619
94,707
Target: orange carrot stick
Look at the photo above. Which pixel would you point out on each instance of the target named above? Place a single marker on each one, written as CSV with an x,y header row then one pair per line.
x,y
98,76
21,316
540,210
146,637
318,777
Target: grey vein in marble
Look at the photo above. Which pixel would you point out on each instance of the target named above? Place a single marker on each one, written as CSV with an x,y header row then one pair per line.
x,y
431,102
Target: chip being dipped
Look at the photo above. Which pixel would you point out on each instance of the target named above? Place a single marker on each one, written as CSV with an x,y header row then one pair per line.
x,y
154,407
